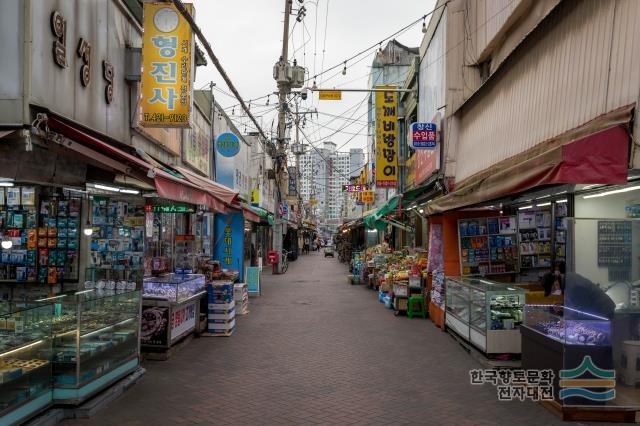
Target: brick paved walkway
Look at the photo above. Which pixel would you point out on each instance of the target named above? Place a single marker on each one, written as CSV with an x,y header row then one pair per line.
x,y
315,350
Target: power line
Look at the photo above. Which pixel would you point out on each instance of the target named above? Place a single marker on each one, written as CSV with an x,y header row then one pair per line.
x,y
192,23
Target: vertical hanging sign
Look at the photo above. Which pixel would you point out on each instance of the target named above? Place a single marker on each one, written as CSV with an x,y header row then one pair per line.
x,y
386,137
167,60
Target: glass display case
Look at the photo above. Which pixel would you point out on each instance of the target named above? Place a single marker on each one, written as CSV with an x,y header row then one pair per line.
x,y
568,326
25,360
174,288
170,310
95,341
485,313
559,338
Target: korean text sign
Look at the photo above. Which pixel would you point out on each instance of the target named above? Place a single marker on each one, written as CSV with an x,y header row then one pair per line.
x,y
167,58
423,135
229,241
386,137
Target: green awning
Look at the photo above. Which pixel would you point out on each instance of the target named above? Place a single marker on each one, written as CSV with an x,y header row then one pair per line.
x,y
373,221
264,214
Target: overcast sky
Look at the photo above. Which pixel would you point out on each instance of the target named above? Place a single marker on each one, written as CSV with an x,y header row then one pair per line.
x,y
247,38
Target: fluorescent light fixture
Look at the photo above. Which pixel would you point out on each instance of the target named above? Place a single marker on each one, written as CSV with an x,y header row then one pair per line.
x,y
6,184
30,345
525,207
548,203
544,196
129,191
79,191
561,201
106,188
84,291
51,298
613,191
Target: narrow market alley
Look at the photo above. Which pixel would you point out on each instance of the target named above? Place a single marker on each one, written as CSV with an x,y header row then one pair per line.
x,y
315,350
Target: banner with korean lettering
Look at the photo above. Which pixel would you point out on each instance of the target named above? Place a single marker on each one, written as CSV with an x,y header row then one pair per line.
x,y
229,241
386,137
167,60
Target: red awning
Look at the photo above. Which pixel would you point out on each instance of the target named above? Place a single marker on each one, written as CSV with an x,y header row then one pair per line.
x,y
250,215
167,185
185,192
599,158
219,191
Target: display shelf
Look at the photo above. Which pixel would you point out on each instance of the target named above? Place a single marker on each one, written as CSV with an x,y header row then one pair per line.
x,y
493,251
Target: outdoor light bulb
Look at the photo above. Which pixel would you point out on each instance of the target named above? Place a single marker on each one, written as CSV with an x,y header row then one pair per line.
x,y
7,244
424,27
344,70
421,211
88,230
315,86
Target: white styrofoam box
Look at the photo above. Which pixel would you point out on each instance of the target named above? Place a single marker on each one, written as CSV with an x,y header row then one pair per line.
x,y
228,325
225,316
226,332
221,306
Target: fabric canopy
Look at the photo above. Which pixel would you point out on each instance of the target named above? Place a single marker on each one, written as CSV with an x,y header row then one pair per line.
x,y
599,158
249,214
167,185
372,221
221,192
263,214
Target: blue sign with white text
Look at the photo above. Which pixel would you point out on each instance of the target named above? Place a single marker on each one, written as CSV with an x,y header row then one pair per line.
x,y
228,144
424,135
229,241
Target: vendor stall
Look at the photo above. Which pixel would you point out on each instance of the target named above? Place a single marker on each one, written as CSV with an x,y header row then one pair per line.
x,y
170,311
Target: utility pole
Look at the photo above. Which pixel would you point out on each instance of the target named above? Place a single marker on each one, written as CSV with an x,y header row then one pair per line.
x,y
284,87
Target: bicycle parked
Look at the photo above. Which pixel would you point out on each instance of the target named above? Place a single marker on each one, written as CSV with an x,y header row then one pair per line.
x,y
285,261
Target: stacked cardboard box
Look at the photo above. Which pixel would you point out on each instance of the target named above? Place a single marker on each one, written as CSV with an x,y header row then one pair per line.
x,y
241,297
221,312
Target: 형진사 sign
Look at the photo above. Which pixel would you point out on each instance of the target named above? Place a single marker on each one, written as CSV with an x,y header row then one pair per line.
x,y
167,59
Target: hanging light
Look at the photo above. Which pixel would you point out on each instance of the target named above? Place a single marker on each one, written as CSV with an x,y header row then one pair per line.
x,y
315,86
379,52
424,25
6,243
88,229
344,70
268,98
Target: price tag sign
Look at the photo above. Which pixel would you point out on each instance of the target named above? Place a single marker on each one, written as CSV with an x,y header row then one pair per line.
x,y
424,135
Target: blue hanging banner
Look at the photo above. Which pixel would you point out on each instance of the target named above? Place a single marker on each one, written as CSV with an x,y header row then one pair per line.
x,y
229,238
